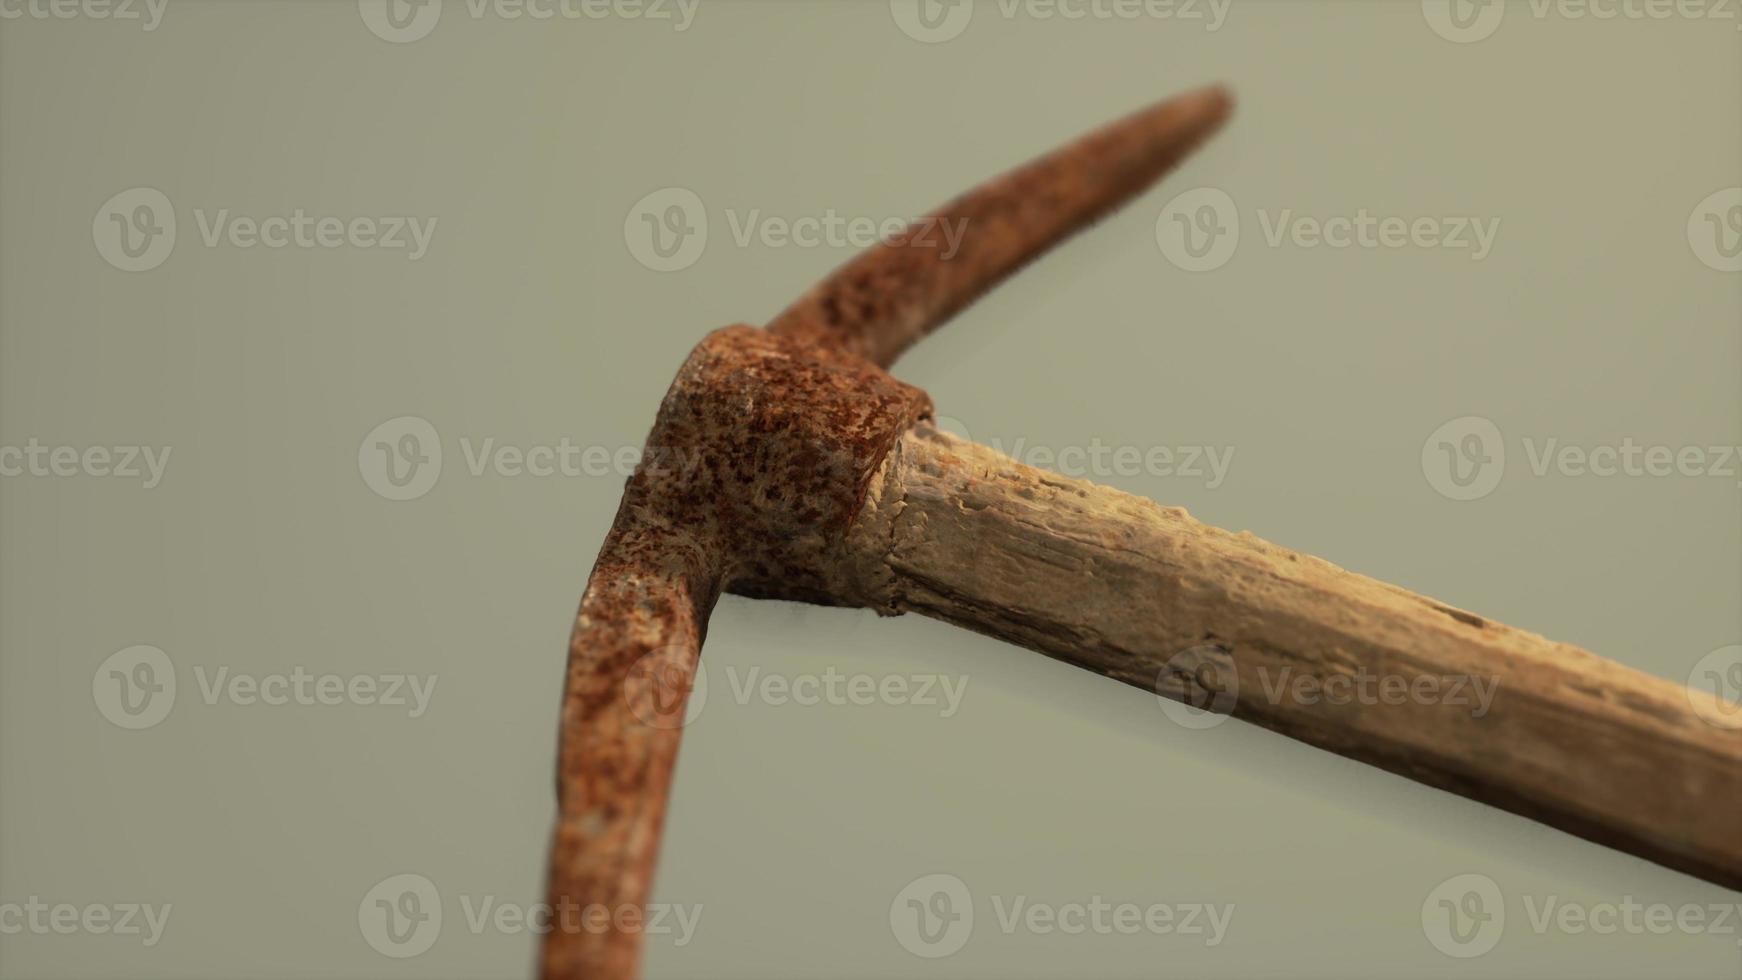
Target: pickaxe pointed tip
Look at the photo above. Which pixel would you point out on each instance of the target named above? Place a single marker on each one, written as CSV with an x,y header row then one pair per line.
x,y
884,300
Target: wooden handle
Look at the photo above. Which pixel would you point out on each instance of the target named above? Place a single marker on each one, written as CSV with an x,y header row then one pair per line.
x,y
1147,595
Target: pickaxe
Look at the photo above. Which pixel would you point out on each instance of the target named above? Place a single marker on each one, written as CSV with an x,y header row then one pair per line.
x,y
787,463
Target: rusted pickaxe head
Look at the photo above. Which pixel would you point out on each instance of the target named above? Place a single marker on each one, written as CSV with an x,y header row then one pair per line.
x,y
755,468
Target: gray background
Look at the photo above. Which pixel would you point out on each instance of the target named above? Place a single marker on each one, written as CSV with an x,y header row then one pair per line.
x,y
530,320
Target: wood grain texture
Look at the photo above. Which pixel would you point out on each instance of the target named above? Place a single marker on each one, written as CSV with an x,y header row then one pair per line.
x,y
1145,594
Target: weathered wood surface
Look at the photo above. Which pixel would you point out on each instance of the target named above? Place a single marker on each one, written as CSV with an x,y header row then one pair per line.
x,y
1145,594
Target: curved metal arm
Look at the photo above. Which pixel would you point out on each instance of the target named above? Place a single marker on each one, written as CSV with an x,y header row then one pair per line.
x,y
884,301
632,660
